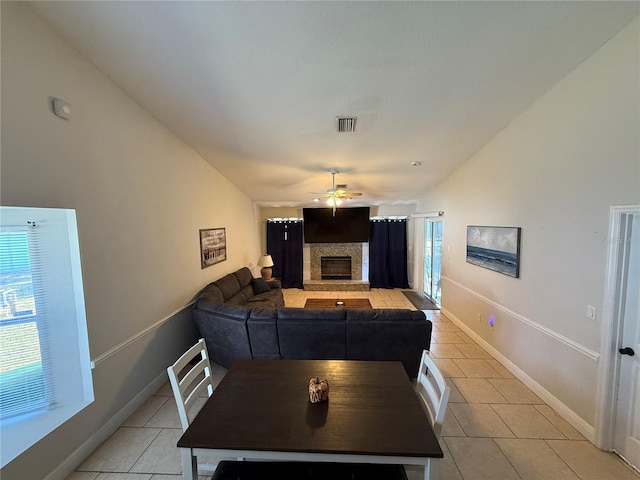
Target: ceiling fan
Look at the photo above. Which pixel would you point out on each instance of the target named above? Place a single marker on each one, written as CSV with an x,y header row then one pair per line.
x,y
336,193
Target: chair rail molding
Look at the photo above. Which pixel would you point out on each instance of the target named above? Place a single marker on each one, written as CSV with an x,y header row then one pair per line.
x,y
131,340
593,355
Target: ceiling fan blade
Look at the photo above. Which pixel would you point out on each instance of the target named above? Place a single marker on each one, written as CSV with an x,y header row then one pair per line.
x,y
336,192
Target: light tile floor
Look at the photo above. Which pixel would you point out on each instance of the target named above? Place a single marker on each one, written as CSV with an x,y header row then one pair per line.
x,y
495,427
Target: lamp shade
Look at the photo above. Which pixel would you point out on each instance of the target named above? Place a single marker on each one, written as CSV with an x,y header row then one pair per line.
x,y
265,261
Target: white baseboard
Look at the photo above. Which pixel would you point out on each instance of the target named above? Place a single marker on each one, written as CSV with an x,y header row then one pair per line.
x,y
560,408
65,469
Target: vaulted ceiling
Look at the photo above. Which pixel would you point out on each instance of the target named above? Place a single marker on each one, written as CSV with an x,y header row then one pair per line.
x,y
255,87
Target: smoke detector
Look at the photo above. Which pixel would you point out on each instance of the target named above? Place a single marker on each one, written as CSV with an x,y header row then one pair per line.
x,y
346,124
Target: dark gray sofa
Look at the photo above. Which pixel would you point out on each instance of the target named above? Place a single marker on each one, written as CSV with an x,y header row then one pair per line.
x,y
240,288
236,324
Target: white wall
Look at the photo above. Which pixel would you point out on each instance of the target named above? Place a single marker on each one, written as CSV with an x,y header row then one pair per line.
x,y
555,171
141,196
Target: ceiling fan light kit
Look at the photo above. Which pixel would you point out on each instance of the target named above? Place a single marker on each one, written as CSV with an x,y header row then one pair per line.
x,y
337,193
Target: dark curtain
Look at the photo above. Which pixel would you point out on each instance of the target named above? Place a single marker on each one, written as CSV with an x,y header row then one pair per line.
x,y
388,254
284,244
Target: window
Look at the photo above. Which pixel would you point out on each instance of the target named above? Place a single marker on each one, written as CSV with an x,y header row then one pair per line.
x,y
21,371
45,368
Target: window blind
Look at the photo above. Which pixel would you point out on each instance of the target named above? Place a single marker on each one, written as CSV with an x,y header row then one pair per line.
x,y
22,378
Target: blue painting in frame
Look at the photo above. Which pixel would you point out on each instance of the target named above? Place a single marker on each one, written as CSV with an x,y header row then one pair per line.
x,y
495,248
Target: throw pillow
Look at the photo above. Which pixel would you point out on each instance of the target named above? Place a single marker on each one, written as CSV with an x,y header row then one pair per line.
x,y
259,286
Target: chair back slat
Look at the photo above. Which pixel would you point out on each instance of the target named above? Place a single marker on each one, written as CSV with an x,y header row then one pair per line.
x,y
197,371
192,397
433,390
196,380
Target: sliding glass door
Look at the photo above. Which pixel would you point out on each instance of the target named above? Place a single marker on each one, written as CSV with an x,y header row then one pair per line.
x,y
432,260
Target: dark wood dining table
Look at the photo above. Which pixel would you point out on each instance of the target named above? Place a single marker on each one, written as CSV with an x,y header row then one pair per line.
x,y
261,411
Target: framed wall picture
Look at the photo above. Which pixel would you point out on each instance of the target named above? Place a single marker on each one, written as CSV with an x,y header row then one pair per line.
x,y
213,246
495,248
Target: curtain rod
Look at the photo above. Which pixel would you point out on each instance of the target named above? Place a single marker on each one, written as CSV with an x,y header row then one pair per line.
x,y
389,217
373,219
283,220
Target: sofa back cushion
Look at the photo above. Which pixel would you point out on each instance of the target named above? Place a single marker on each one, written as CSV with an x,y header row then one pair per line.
x,y
311,334
388,334
228,285
244,276
241,297
211,294
263,333
224,327
236,287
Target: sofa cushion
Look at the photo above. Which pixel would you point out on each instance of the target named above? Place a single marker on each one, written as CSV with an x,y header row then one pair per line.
x,y
225,332
313,334
239,312
247,292
270,299
211,293
263,333
388,334
259,286
244,276
228,285
261,302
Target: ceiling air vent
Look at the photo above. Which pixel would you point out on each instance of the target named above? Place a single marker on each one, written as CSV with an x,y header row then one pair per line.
x,y
346,124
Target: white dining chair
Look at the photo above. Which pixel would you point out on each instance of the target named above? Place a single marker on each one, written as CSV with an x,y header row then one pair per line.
x,y
433,390
196,380
190,377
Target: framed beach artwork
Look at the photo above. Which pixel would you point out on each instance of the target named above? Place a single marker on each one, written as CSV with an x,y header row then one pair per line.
x,y
495,248
213,246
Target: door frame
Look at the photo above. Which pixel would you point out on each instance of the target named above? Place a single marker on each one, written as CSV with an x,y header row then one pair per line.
x,y
612,323
418,248
436,300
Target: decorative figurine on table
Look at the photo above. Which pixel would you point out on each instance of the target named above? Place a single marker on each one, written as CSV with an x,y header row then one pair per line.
x,y
318,390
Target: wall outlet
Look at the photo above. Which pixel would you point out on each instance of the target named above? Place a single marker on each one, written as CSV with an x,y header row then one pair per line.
x,y
478,317
591,312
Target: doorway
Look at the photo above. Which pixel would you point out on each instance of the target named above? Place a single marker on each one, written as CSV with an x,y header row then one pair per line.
x,y
618,418
432,260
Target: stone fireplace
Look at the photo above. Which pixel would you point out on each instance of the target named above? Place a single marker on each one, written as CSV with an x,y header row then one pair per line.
x,y
353,251
345,280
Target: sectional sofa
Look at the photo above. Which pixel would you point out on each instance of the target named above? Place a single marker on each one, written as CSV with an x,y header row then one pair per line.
x,y
242,318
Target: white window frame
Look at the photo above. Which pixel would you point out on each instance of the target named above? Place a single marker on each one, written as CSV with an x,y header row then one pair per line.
x,y
68,358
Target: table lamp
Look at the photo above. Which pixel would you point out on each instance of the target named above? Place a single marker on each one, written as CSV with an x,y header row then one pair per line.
x,y
266,262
